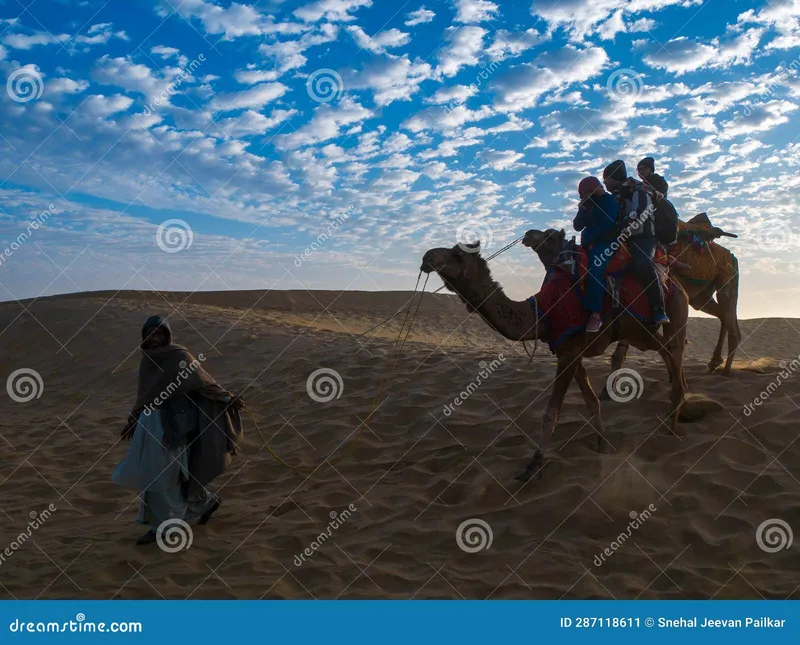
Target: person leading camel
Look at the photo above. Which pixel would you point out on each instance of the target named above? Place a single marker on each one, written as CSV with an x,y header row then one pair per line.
x,y
647,173
637,219
183,431
597,223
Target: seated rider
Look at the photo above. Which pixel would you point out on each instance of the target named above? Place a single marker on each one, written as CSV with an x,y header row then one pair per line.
x,y
597,222
647,173
637,222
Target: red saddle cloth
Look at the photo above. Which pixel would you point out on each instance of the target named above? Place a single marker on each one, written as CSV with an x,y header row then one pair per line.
x,y
560,302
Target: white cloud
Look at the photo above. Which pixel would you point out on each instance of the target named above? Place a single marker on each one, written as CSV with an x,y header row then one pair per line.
x,y
512,43
418,17
681,55
462,48
379,43
251,123
523,86
333,10
390,78
473,11
326,124
255,97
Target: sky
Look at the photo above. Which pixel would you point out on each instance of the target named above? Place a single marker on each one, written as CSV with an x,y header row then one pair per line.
x,y
213,145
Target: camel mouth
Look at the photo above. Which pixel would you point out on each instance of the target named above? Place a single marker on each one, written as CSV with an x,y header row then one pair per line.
x,y
427,267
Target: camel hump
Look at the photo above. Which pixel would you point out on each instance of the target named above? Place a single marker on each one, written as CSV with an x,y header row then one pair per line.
x,y
701,219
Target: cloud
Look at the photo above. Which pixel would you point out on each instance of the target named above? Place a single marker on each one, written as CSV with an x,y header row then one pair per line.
x,y
681,55
462,48
326,124
472,11
333,10
508,44
383,40
418,17
255,97
523,86
390,78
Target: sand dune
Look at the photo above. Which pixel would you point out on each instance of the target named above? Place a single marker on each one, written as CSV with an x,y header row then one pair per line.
x,y
414,475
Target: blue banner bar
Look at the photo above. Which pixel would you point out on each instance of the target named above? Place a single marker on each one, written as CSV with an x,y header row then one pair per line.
x,y
382,622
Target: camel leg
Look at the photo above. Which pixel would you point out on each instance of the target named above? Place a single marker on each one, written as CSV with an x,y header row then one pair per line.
x,y
673,359
728,298
617,361
713,308
567,364
593,403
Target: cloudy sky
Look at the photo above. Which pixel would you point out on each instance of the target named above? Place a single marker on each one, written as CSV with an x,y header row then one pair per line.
x,y
209,144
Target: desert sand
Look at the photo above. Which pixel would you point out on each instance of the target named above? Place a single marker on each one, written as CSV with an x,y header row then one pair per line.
x,y
414,474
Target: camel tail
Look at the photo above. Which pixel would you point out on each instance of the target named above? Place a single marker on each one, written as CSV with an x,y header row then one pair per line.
x,y
735,297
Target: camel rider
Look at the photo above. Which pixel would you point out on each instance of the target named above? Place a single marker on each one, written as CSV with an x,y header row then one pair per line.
x,y
647,173
597,222
637,222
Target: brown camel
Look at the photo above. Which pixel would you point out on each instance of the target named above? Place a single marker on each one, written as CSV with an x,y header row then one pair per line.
x,y
465,273
712,269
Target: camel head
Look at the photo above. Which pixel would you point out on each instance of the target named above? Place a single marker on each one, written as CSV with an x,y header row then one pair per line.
x,y
463,271
546,244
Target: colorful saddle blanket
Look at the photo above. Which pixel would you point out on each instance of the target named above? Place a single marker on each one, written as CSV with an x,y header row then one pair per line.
x,y
559,304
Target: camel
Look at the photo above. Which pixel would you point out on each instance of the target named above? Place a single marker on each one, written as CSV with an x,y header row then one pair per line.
x,y
711,270
466,273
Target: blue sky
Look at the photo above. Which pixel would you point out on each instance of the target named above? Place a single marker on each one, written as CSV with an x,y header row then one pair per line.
x,y
207,144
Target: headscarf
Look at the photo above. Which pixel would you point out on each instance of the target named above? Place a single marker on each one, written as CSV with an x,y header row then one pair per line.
x,y
590,186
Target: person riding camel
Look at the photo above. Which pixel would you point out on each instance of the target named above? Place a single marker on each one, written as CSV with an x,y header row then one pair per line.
x,y
647,173
637,221
597,223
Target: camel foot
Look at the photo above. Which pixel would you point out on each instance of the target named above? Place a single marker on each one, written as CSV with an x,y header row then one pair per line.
x,y
713,366
533,469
